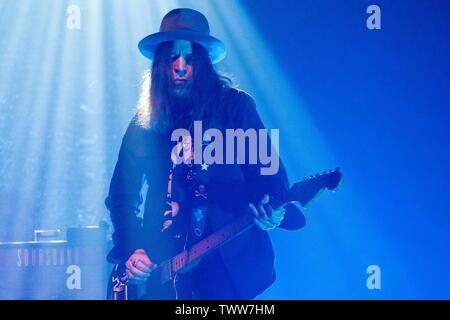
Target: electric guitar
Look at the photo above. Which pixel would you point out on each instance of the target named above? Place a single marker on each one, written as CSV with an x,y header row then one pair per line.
x,y
162,277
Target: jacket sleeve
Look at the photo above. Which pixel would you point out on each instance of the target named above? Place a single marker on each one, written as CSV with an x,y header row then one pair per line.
x,y
275,184
125,198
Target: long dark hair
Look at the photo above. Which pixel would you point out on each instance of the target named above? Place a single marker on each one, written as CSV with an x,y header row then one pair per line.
x,y
204,101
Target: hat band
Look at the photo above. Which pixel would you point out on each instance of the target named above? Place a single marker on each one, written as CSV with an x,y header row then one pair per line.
x,y
184,28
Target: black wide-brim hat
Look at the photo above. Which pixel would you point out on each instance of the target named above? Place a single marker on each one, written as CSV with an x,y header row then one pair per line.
x,y
184,24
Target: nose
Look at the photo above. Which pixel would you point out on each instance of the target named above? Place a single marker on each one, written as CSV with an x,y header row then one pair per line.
x,y
179,66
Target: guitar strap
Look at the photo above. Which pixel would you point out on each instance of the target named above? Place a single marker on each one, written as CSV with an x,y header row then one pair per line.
x,y
196,182
197,225
198,205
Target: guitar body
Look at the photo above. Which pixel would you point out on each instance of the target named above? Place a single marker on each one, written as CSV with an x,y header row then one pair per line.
x,y
118,286
152,289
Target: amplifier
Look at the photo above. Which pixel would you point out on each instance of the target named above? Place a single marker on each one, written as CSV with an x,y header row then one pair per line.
x,y
59,269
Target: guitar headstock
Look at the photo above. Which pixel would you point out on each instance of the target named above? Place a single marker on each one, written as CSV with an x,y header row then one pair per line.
x,y
329,179
305,190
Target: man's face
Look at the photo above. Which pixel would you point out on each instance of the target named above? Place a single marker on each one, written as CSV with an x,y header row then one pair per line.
x,y
181,57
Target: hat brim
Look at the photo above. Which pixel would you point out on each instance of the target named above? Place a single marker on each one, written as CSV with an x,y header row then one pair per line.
x,y
214,46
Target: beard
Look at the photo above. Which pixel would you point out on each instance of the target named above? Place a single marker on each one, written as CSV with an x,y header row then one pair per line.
x,y
180,101
181,91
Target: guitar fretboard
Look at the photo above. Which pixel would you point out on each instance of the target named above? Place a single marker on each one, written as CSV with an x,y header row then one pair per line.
x,y
211,242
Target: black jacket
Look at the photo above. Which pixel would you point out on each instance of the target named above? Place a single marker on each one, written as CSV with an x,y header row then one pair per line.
x,y
144,157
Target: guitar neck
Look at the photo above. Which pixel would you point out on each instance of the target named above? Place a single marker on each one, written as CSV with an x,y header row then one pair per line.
x,y
203,247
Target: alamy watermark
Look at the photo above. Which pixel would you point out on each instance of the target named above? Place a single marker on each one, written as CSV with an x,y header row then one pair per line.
x,y
73,21
374,280
373,22
231,149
